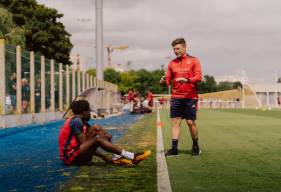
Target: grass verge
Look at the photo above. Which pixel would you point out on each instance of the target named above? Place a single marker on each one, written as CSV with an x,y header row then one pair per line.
x,y
103,177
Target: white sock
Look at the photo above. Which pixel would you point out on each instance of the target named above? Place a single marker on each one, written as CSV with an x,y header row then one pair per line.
x,y
115,157
127,154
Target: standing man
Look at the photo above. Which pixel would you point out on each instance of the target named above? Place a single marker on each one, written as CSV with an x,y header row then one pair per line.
x,y
184,72
149,97
12,89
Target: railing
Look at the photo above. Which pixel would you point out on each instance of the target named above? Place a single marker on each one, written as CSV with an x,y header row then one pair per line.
x,y
32,84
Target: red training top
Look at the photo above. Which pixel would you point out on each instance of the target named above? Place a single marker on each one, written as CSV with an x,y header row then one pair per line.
x,y
184,67
150,98
130,96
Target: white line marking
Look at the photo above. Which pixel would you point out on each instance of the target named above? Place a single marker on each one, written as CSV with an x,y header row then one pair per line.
x,y
163,181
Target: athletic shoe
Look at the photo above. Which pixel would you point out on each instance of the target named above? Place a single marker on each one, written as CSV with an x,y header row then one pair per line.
x,y
122,161
196,150
141,156
171,152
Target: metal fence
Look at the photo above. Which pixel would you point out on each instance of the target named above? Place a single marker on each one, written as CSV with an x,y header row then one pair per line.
x,y
31,83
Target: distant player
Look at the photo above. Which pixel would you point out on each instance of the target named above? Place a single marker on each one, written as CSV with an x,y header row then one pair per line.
x,y
78,142
149,97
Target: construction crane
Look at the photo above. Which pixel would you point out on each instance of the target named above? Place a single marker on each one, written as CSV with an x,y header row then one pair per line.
x,y
110,49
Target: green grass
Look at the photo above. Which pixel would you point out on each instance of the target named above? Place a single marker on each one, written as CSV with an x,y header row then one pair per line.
x,y
274,113
109,178
241,152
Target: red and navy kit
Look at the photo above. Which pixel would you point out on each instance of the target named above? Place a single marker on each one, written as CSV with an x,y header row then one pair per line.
x,y
130,96
68,142
185,67
184,94
150,98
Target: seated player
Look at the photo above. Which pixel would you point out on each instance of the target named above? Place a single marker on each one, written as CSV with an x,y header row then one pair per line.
x,y
78,142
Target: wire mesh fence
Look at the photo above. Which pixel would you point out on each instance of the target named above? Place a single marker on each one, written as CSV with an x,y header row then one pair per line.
x,y
35,84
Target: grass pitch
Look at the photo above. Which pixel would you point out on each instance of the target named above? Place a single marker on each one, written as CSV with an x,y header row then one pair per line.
x,y
109,178
240,152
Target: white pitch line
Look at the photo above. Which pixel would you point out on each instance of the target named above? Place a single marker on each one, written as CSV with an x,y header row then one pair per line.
x,y
163,181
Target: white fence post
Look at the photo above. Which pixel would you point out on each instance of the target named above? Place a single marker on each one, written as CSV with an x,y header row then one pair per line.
x,y
18,63
52,76
43,95
60,88
32,83
2,77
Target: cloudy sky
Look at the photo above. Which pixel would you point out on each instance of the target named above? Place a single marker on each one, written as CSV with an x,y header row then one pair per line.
x,y
227,36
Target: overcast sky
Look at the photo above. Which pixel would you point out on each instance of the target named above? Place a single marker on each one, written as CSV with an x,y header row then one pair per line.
x,y
227,36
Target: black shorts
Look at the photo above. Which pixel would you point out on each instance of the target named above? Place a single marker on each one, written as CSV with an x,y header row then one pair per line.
x,y
184,108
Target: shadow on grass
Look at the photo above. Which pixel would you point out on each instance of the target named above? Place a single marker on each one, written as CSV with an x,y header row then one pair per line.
x,y
184,152
181,152
90,164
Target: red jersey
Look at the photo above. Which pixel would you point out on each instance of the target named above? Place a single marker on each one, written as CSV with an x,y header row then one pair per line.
x,y
69,145
130,96
184,67
150,98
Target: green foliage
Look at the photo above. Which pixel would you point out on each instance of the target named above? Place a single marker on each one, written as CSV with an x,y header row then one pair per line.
x,y
209,85
8,29
112,76
91,72
42,30
128,81
143,80
140,80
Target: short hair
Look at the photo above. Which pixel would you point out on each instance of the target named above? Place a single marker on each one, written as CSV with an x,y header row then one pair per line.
x,y
78,107
179,41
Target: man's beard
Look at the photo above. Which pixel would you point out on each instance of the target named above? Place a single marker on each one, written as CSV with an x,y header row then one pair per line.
x,y
179,55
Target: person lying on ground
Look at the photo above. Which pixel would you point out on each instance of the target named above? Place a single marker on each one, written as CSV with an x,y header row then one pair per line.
x,y
78,141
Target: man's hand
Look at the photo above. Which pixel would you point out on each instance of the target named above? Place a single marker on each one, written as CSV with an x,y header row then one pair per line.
x,y
183,80
102,132
163,80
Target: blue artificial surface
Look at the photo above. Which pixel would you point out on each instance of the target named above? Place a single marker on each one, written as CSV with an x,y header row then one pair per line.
x,y
29,159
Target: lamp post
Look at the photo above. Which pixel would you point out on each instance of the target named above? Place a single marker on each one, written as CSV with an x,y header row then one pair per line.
x,y
99,38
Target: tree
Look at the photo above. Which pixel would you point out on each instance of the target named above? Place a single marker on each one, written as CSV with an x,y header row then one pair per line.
x,y
91,72
207,85
237,85
112,76
8,29
42,30
128,81
157,88
144,81
224,85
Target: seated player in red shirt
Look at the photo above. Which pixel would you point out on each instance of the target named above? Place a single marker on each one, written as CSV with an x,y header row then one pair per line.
x,y
78,142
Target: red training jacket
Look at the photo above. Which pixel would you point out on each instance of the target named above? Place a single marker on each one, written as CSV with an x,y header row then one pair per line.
x,y
185,67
